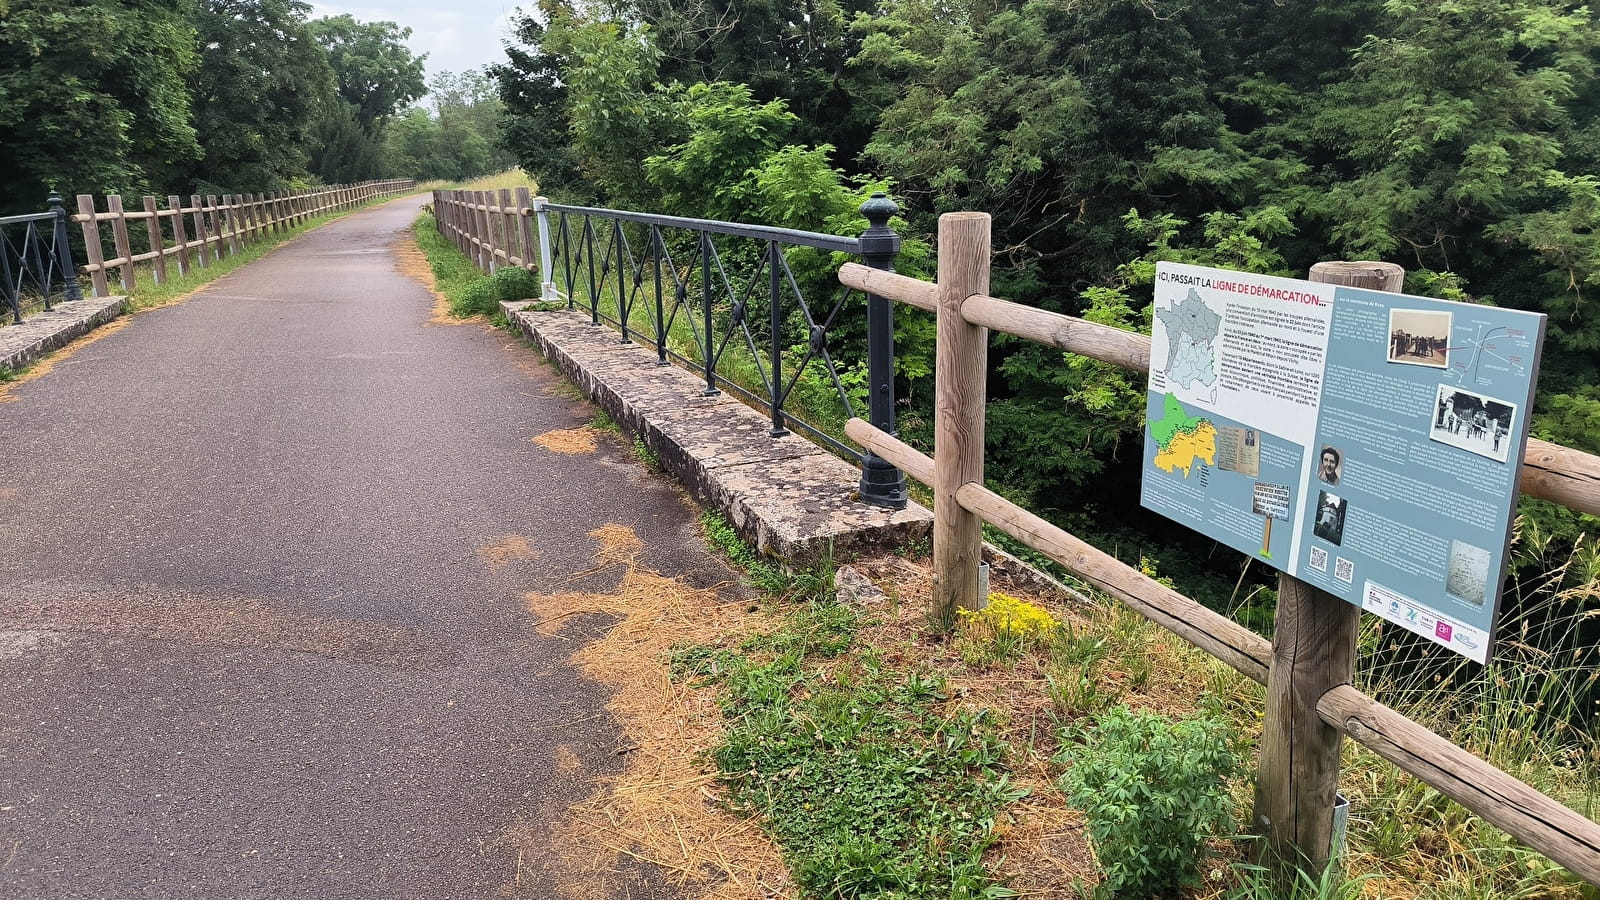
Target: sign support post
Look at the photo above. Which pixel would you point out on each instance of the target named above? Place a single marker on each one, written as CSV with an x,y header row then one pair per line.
x,y
1313,650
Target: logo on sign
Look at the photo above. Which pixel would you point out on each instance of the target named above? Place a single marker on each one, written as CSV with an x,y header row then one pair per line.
x,y
1443,630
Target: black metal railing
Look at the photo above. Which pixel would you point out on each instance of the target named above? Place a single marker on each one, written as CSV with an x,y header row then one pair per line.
x,y
725,299
35,259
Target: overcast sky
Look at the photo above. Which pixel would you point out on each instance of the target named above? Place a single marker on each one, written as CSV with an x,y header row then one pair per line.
x,y
456,34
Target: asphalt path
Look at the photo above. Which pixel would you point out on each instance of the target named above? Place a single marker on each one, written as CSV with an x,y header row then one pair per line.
x,y
261,575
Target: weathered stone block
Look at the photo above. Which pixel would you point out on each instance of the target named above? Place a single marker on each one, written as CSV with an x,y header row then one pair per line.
x,y
786,496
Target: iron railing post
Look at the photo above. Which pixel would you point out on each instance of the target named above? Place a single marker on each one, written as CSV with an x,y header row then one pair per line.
x,y
661,313
588,253
10,291
706,297
547,288
775,320
69,275
881,483
625,300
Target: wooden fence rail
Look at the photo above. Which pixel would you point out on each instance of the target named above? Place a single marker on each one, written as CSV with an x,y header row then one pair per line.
x,y
494,228
216,228
1560,474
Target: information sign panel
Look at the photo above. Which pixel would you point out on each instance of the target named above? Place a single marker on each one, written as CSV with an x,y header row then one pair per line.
x,y
1384,432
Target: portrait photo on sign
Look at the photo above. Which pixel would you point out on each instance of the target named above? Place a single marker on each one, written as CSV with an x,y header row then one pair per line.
x,y
1468,575
1329,523
1473,422
1419,337
1330,465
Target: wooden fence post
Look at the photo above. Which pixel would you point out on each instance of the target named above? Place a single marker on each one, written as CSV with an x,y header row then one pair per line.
x,y
458,223
180,240
525,229
962,351
152,230
235,203
214,226
119,235
252,217
1313,651
508,229
92,247
485,236
201,234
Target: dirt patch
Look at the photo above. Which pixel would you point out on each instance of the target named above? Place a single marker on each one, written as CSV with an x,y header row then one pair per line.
x,y
410,261
506,550
567,762
212,621
573,441
663,809
48,364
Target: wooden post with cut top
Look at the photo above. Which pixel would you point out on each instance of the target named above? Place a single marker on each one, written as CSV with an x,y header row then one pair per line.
x,y
960,378
1313,651
120,240
152,230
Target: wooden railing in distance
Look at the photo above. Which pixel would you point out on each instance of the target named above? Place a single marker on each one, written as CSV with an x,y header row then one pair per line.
x,y
494,228
216,227
1560,474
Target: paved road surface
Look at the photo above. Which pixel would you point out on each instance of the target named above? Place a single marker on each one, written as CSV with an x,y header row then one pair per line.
x,y
249,643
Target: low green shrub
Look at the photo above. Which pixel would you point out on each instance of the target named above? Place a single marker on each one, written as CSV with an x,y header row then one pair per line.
x,y
1152,790
479,298
515,283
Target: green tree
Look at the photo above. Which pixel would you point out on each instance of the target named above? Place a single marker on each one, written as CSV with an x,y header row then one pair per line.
x,y
375,76
615,115
533,116
255,95
374,72
92,96
793,51
729,135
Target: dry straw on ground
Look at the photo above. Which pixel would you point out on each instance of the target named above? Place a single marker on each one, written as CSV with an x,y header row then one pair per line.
x,y
571,441
410,261
662,809
505,550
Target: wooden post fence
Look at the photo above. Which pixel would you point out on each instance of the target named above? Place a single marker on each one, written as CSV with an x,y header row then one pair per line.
x,y
960,377
220,227
1311,705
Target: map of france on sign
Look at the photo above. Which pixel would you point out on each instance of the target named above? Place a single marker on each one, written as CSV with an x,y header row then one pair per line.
x,y
1192,329
1181,438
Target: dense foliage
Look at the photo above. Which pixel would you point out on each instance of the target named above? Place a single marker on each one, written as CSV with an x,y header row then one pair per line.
x,y
1152,792
222,96
1458,139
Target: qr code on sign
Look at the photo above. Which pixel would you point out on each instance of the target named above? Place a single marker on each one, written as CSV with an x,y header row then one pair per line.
x,y
1319,559
1344,570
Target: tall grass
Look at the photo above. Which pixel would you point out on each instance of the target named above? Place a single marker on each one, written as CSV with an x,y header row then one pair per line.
x,y
1531,712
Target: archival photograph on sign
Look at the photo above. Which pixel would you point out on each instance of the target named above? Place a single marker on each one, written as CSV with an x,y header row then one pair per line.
x,y
1239,450
1419,337
1330,518
1330,465
1468,577
1474,422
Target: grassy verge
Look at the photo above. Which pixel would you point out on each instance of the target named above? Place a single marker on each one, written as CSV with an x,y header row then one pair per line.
x,y
866,778
889,760
467,290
